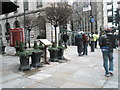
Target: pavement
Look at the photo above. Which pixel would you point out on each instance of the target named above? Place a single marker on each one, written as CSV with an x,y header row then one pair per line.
x,y
75,72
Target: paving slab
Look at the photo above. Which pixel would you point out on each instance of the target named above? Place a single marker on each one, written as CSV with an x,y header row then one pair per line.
x,y
39,76
40,85
83,79
53,81
110,86
112,83
18,83
10,77
64,76
99,83
77,85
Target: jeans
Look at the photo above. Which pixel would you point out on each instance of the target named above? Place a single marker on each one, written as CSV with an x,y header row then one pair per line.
x,y
65,43
85,51
108,56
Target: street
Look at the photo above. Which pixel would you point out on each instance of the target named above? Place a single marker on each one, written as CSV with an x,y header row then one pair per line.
x,y
75,72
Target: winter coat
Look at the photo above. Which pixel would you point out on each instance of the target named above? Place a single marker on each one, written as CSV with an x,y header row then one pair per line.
x,y
65,37
93,37
78,40
85,39
108,41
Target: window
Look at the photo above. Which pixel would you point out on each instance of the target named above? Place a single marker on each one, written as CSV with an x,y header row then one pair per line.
x,y
7,25
15,2
16,24
41,27
39,3
25,3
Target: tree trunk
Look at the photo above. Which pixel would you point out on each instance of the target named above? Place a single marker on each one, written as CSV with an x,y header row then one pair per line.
x,y
55,36
29,38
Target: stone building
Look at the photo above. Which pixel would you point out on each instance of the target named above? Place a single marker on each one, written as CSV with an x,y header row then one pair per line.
x,y
109,8
15,19
89,16
33,8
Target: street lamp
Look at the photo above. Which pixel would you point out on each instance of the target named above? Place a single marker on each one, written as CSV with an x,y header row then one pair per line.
x,y
112,14
24,26
91,17
55,25
51,32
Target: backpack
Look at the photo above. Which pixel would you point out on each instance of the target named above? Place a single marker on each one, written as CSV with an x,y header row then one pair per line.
x,y
85,38
107,40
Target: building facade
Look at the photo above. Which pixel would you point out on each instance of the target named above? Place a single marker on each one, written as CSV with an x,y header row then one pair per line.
x,y
109,9
34,9
16,19
88,16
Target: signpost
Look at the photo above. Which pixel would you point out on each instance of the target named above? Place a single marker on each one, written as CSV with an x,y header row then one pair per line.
x,y
46,43
87,8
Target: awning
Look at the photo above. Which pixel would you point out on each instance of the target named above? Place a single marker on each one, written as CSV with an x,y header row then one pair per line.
x,y
7,6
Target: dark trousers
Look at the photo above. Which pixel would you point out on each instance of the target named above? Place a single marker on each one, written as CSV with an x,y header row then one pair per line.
x,y
92,46
79,49
96,44
65,43
85,50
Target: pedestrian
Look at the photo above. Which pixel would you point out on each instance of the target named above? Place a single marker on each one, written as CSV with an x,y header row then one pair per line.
x,y
117,38
85,44
96,36
79,44
92,42
107,44
89,36
65,38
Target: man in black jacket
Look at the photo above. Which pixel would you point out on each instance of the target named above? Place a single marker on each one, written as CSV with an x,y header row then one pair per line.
x,y
79,44
65,38
107,44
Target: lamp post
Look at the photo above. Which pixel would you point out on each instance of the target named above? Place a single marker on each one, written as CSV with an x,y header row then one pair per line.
x,y
29,29
51,32
24,26
91,16
55,25
112,14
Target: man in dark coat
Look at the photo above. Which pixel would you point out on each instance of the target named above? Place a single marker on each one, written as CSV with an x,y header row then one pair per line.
x,y
85,44
107,44
79,44
65,38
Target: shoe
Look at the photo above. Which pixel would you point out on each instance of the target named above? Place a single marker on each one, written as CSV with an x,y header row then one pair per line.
x,y
107,75
110,72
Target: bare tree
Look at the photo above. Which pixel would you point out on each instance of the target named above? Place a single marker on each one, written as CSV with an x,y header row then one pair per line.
x,y
30,22
58,14
77,13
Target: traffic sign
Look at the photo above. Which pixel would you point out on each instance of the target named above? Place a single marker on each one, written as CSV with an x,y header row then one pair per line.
x,y
92,20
